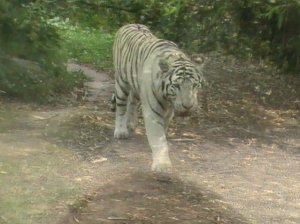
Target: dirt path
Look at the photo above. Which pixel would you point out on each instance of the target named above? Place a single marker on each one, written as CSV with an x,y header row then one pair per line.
x,y
61,165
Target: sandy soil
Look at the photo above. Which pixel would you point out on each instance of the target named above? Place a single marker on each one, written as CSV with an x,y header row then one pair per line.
x,y
237,162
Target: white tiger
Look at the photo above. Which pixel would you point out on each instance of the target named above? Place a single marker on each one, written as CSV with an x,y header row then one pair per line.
x,y
162,77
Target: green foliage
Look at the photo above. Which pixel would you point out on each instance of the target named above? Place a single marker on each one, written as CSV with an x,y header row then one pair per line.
x,y
37,39
267,29
86,45
31,60
90,47
26,33
27,80
275,28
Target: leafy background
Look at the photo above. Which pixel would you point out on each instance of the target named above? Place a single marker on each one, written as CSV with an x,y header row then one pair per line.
x,y
37,38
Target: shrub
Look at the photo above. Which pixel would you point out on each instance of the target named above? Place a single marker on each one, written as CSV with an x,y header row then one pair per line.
x,y
86,45
266,29
31,60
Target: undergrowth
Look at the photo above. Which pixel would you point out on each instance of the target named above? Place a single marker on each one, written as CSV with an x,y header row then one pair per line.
x,y
86,45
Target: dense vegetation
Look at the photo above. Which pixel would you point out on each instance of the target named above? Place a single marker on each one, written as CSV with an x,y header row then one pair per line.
x,y
48,33
265,29
31,58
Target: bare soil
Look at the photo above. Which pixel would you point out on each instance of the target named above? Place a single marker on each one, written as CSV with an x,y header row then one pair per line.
x,y
237,160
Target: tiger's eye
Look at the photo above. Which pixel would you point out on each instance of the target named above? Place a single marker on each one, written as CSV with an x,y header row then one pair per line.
x,y
176,85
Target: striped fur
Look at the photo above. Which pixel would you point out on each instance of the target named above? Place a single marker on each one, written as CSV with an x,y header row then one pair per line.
x,y
158,74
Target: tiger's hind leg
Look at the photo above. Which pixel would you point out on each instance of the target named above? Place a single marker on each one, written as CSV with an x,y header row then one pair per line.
x,y
131,113
121,96
113,103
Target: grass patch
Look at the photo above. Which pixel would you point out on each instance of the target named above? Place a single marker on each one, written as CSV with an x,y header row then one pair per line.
x,y
87,45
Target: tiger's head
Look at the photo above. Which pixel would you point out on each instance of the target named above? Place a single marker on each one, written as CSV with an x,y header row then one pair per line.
x,y
182,79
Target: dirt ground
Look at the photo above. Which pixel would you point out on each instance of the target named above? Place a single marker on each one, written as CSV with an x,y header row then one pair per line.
x,y
237,160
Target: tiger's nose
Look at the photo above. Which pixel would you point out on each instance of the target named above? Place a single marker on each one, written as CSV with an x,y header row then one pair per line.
x,y
187,107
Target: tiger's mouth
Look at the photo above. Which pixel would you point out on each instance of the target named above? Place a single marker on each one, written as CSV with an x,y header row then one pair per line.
x,y
183,113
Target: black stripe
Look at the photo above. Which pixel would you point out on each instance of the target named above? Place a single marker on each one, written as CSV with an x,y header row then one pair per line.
x,y
157,44
156,112
123,88
125,82
157,98
121,105
170,78
119,98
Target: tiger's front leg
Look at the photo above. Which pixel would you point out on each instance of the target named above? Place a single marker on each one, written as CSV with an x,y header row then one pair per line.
x,y
155,130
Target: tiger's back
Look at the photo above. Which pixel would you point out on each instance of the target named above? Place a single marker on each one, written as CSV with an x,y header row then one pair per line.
x,y
132,46
126,54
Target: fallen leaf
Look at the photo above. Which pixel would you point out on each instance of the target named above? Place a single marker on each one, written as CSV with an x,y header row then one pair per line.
x,y
75,219
116,218
38,117
103,159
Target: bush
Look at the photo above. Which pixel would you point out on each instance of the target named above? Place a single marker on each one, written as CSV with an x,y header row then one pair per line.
x,y
86,45
265,29
27,80
31,60
272,29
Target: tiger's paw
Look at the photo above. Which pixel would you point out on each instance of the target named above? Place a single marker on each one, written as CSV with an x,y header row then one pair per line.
x,y
132,126
121,134
162,167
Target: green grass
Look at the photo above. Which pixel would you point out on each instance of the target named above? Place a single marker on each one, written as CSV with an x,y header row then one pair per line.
x,y
88,46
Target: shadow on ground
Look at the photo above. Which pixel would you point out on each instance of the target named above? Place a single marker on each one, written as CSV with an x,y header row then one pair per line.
x,y
148,198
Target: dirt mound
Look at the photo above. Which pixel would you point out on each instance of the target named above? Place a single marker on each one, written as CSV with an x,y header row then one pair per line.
x,y
144,198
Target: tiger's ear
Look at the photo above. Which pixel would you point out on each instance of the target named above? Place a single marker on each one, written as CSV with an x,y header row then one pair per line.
x,y
164,65
198,59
